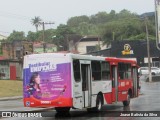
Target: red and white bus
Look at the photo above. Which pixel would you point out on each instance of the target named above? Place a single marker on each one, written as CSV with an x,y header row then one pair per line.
x,y
67,81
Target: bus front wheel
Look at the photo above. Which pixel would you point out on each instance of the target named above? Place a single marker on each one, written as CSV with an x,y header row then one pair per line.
x,y
62,109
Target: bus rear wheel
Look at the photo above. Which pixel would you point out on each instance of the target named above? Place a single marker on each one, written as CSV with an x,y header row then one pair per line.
x,y
99,103
127,102
62,109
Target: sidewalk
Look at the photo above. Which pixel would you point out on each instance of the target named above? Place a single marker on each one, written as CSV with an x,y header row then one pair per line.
x,y
11,98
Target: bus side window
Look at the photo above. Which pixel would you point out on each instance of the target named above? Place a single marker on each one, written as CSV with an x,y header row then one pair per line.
x,y
124,71
76,69
96,70
105,71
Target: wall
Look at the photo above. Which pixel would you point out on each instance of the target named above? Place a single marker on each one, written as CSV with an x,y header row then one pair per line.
x,y
4,70
16,49
81,46
19,69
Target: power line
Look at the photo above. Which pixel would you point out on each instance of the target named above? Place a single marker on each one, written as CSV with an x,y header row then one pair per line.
x,y
12,15
15,17
4,32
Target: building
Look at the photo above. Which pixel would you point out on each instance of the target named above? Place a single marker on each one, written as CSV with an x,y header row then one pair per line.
x,y
15,50
136,49
11,59
40,47
2,37
89,44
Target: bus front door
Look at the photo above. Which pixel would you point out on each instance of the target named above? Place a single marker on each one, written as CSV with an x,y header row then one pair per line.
x,y
114,83
86,82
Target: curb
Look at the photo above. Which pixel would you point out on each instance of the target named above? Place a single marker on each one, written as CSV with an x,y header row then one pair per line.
x,y
39,110
10,98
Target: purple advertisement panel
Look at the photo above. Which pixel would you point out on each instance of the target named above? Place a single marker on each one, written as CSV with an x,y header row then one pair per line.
x,y
47,82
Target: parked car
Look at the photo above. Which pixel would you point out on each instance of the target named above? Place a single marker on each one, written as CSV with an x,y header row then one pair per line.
x,y
145,71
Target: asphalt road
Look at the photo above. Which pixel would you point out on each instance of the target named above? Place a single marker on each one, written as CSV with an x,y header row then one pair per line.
x,y
148,101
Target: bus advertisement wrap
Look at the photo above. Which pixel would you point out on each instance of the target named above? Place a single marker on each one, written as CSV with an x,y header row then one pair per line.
x,y
66,81
47,81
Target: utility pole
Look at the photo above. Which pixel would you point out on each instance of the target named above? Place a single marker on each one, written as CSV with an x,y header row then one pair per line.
x,y
43,25
148,50
157,22
99,45
113,34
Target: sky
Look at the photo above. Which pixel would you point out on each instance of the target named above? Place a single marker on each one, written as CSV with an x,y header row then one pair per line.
x,y
17,14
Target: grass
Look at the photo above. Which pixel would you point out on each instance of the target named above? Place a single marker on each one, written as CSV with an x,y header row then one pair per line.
x,y
10,88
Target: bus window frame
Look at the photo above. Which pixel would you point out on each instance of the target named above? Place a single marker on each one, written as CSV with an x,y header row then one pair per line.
x,y
127,68
107,71
99,72
77,80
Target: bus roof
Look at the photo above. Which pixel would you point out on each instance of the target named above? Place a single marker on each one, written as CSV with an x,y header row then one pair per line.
x,y
86,57
71,55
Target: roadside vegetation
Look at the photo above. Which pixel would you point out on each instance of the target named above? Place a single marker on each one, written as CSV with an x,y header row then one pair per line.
x,y
10,88
110,26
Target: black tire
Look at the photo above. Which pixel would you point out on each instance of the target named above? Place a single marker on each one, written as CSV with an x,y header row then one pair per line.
x,y
99,103
90,110
127,102
153,73
62,109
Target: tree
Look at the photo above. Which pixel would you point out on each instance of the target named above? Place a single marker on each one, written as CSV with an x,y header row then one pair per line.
x,y
75,21
36,22
16,36
126,14
63,34
32,36
99,18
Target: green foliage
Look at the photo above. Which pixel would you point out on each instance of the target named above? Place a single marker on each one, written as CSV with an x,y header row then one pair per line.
x,y
124,25
114,26
36,21
16,36
61,39
38,36
142,37
75,21
101,17
32,36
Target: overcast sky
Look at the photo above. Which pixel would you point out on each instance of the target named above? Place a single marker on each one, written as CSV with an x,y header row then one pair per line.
x,y
17,14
